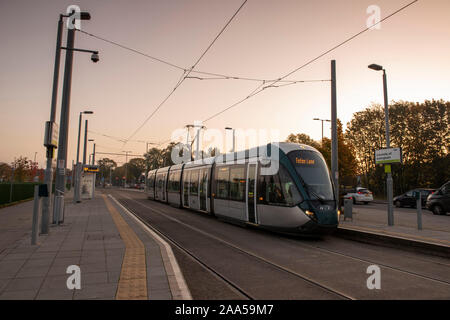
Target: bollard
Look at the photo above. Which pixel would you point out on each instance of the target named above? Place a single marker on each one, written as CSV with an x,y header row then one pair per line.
x,y
34,226
43,193
348,208
419,210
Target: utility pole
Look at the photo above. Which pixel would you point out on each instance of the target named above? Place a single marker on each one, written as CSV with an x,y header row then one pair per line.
x,y
387,167
388,145
334,141
126,166
85,141
60,187
48,175
197,149
93,156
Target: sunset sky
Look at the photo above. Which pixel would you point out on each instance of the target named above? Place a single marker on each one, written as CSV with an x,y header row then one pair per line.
x,y
266,40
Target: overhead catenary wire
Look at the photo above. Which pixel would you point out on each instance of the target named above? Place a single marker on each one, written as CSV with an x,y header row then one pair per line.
x,y
218,76
186,73
263,85
272,84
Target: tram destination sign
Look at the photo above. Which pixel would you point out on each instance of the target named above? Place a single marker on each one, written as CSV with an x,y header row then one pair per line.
x,y
389,155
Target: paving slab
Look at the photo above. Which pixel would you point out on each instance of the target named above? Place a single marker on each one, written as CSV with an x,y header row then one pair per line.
x,y
89,238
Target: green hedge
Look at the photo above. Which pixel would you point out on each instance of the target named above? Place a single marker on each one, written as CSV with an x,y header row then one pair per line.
x,y
20,191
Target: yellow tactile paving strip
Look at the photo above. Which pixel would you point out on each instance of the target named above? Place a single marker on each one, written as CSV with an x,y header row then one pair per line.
x,y
133,277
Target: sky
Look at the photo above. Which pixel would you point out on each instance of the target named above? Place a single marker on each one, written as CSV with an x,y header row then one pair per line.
x,y
266,40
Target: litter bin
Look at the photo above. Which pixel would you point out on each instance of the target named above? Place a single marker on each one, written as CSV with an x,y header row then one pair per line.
x,y
348,208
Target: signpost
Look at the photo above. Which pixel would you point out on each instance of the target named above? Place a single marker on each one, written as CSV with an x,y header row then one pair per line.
x,y
388,156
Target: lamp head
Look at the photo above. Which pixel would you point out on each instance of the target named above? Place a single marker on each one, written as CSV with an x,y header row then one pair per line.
x,y
375,67
85,15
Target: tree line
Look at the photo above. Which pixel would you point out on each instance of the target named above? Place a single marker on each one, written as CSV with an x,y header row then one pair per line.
x,y
20,170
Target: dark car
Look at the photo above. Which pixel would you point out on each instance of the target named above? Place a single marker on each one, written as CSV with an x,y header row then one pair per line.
x,y
439,201
408,199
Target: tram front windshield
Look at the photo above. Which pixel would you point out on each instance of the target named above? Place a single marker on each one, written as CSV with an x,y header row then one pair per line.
x,y
311,167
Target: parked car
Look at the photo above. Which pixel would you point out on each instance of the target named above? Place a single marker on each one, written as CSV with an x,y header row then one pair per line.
x,y
359,194
439,201
408,199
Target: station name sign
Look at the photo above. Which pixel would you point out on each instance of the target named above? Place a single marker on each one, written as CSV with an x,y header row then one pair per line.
x,y
389,155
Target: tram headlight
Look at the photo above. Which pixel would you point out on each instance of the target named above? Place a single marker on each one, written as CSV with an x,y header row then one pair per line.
x,y
310,214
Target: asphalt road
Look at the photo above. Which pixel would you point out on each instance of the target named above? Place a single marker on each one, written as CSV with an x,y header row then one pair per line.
x,y
224,261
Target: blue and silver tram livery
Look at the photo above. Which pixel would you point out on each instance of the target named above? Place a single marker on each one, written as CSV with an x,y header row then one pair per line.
x,y
298,198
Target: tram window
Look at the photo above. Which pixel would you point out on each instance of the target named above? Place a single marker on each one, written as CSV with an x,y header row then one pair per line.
x,y
170,181
186,181
222,181
237,183
160,181
152,182
174,181
149,182
291,194
177,181
194,182
278,189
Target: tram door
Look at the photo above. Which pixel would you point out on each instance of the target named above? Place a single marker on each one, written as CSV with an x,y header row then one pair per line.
x,y
203,188
251,192
164,187
186,178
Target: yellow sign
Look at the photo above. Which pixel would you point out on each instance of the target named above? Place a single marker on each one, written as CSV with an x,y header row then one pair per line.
x,y
387,168
304,161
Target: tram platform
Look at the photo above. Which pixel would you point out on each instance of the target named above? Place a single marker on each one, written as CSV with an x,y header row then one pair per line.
x,y
117,256
370,225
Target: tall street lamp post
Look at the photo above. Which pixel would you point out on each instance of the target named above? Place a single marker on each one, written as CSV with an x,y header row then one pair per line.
x,y
322,124
389,186
61,163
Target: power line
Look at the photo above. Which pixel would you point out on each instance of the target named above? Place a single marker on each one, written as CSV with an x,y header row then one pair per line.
x,y
345,41
132,50
261,87
252,79
218,75
187,72
271,85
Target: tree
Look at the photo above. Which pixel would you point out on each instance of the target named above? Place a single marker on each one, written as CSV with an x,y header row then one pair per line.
x,y
5,172
153,158
346,160
136,167
422,130
22,169
105,166
303,139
